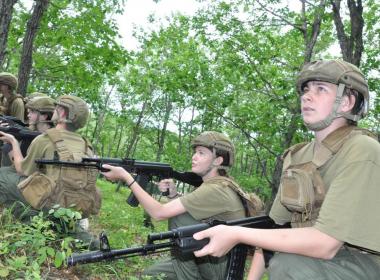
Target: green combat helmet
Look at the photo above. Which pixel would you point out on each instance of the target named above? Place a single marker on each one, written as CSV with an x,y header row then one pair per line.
x,y
42,104
216,141
29,97
77,109
9,80
342,74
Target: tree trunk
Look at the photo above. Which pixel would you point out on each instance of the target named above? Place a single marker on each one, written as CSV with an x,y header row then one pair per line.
x,y
111,142
100,122
119,140
135,131
180,144
162,135
310,38
6,11
39,8
288,137
351,45
191,130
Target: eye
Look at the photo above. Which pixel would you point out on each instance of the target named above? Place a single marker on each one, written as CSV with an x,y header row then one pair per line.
x,y
304,90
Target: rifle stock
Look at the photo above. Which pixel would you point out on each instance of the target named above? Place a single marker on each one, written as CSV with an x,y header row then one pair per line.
x,y
145,170
181,241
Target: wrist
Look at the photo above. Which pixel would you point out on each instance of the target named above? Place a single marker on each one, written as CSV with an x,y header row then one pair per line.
x,y
128,179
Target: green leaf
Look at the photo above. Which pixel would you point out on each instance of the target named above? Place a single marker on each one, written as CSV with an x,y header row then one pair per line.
x,y
58,260
50,251
4,272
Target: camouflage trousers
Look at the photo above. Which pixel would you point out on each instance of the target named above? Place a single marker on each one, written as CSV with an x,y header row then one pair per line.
x,y
348,264
10,196
188,267
5,160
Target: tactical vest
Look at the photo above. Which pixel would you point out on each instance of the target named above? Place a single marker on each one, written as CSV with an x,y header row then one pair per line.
x,y
66,186
302,189
251,202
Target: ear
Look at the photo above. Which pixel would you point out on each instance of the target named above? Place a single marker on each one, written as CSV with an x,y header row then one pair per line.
x,y
348,102
218,161
62,112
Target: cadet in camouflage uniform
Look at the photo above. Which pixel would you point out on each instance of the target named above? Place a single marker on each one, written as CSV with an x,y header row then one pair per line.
x,y
13,105
214,199
70,114
329,189
40,110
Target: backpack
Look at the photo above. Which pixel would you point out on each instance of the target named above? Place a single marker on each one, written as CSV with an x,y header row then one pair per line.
x,y
75,186
71,187
252,204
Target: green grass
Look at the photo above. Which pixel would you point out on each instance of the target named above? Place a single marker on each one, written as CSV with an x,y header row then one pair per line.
x,y
124,227
33,251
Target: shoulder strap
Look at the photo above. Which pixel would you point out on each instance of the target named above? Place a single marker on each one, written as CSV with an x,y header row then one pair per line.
x,y
87,147
334,142
287,155
330,146
56,137
251,202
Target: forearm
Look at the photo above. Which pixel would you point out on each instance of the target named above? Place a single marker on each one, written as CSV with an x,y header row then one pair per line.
x,y
17,156
147,202
257,268
303,241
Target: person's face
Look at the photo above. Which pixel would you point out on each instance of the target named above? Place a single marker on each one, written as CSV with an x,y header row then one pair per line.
x,y
201,160
317,101
4,89
57,115
32,116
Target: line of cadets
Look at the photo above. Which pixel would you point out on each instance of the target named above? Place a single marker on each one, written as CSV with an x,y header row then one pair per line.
x,y
328,191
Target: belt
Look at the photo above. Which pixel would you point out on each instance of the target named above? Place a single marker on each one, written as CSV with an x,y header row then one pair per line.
x,y
362,250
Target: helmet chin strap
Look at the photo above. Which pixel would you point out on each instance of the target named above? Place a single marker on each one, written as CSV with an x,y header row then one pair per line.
x,y
334,112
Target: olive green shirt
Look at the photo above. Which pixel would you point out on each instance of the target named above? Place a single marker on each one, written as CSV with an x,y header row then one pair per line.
x,y
17,109
214,199
350,210
43,148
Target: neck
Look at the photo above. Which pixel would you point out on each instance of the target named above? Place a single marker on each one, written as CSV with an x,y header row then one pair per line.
x,y
61,125
213,173
42,127
322,134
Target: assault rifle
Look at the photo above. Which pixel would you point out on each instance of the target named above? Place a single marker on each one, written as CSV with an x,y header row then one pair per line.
x,y
144,171
20,133
179,241
12,121
19,130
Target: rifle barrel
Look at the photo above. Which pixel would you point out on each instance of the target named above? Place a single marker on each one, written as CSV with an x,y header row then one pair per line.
x,y
96,256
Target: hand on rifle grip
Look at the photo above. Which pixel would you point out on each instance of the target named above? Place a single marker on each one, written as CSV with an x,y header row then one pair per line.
x,y
113,173
167,187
